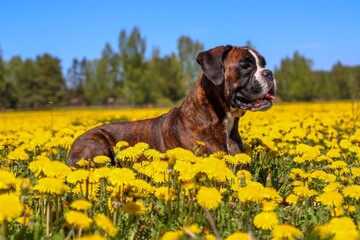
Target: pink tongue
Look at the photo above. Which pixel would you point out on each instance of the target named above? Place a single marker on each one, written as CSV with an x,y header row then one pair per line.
x,y
269,96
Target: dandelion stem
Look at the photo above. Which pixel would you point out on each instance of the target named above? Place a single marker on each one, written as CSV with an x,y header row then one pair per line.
x,y
212,223
48,218
57,209
79,232
3,230
42,203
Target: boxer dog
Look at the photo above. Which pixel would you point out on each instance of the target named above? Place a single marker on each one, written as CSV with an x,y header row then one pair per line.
x,y
233,80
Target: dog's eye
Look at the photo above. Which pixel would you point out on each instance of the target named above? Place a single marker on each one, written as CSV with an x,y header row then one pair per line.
x,y
244,65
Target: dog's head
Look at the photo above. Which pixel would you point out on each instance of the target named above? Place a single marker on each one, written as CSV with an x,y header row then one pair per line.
x,y
248,85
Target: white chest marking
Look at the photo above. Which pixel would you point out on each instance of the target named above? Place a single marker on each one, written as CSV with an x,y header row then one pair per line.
x,y
229,122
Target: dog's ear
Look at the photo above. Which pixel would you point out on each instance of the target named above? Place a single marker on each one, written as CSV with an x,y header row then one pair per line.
x,y
212,63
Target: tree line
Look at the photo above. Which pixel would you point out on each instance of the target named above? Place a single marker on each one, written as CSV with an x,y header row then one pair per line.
x,y
124,76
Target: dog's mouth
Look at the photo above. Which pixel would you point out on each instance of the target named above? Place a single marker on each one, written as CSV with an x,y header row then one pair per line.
x,y
259,104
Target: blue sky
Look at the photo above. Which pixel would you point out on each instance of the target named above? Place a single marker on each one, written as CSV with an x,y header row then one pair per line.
x,y
323,31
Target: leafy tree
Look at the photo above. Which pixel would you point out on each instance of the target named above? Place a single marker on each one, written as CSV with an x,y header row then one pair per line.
x,y
74,80
26,87
167,78
188,50
135,88
343,82
49,81
295,80
91,85
4,85
324,89
107,74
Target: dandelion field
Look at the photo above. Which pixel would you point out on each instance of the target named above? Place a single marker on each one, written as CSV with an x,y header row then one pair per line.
x,y
299,178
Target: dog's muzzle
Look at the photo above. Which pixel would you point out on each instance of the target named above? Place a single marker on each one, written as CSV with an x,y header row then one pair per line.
x,y
257,95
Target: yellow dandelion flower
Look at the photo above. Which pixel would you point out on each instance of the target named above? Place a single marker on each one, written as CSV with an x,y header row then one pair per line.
x,y
141,185
332,187
87,188
23,220
330,199
160,177
192,229
349,208
337,211
56,169
186,170
102,160
95,236
352,191
340,228
354,149
219,154
7,180
215,169
84,163
78,219
355,172
135,208
181,155
49,185
44,166
303,191
18,154
130,154
230,159
11,207
39,164
292,199
268,206
311,154
270,193
323,176
81,204
286,231
210,237
120,176
187,187
298,159
244,174
200,143
239,236
209,198
78,175
268,143
102,172
345,144
338,165
296,173
105,224
323,158
154,155
172,235
242,158
140,166
252,192
302,148
165,193
333,153
141,146
266,220
120,145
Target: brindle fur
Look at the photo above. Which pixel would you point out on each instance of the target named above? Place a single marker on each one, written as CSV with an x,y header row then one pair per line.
x,y
202,116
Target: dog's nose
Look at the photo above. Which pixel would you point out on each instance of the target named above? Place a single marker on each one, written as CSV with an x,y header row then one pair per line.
x,y
266,73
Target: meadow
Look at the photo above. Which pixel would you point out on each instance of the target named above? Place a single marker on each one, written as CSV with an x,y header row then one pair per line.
x,y
299,178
